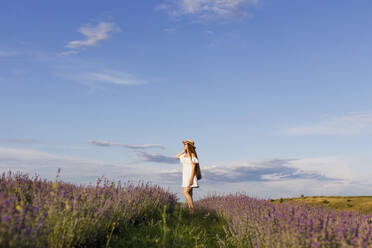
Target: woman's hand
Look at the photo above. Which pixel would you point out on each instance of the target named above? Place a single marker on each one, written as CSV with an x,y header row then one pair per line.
x,y
179,154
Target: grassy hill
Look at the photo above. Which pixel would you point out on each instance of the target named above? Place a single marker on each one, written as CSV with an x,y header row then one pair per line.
x,y
363,204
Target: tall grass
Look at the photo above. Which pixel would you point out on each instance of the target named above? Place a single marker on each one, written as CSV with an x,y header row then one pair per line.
x,y
41,213
177,228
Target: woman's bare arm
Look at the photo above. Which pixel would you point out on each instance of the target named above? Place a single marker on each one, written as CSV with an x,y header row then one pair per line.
x,y
179,154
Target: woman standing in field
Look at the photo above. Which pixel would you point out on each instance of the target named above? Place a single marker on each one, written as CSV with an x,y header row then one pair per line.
x,y
189,160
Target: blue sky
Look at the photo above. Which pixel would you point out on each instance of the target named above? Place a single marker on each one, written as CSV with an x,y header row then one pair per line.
x,y
275,94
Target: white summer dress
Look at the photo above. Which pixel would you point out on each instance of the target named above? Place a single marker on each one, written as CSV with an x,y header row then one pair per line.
x,y
187,169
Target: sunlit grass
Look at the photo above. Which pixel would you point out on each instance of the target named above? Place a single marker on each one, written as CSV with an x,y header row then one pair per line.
x,y
177,228
363,204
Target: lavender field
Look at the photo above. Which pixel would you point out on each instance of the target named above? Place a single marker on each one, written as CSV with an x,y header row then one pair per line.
x,y
260,223
41,213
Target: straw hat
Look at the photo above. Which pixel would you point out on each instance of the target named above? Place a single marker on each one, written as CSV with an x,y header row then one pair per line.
x,y
189,141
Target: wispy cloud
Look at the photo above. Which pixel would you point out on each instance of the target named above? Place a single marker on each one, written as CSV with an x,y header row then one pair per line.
x,y
208,9
94,74
135,147
74,169
112,77
67,53
350,124
93,35
157,158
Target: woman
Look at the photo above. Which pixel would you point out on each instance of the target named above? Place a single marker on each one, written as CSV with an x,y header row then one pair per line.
x,y
189,159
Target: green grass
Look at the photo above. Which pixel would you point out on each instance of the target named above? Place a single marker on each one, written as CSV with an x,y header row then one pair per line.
x,y
179,228
172,228
362,204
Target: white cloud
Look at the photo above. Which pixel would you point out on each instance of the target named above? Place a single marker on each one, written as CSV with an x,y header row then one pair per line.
x,y
331,167
321,168
269,178
280,177
111,77
208,9
68,53
107,143
94,34
73,169
157,158
93,74
350,124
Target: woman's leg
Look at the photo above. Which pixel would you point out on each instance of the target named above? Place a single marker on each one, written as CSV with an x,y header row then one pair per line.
x,y
188,194
192,207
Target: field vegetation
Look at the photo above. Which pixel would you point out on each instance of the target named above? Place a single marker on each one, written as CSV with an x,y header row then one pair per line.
x,y
262,223
361,204
41,213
